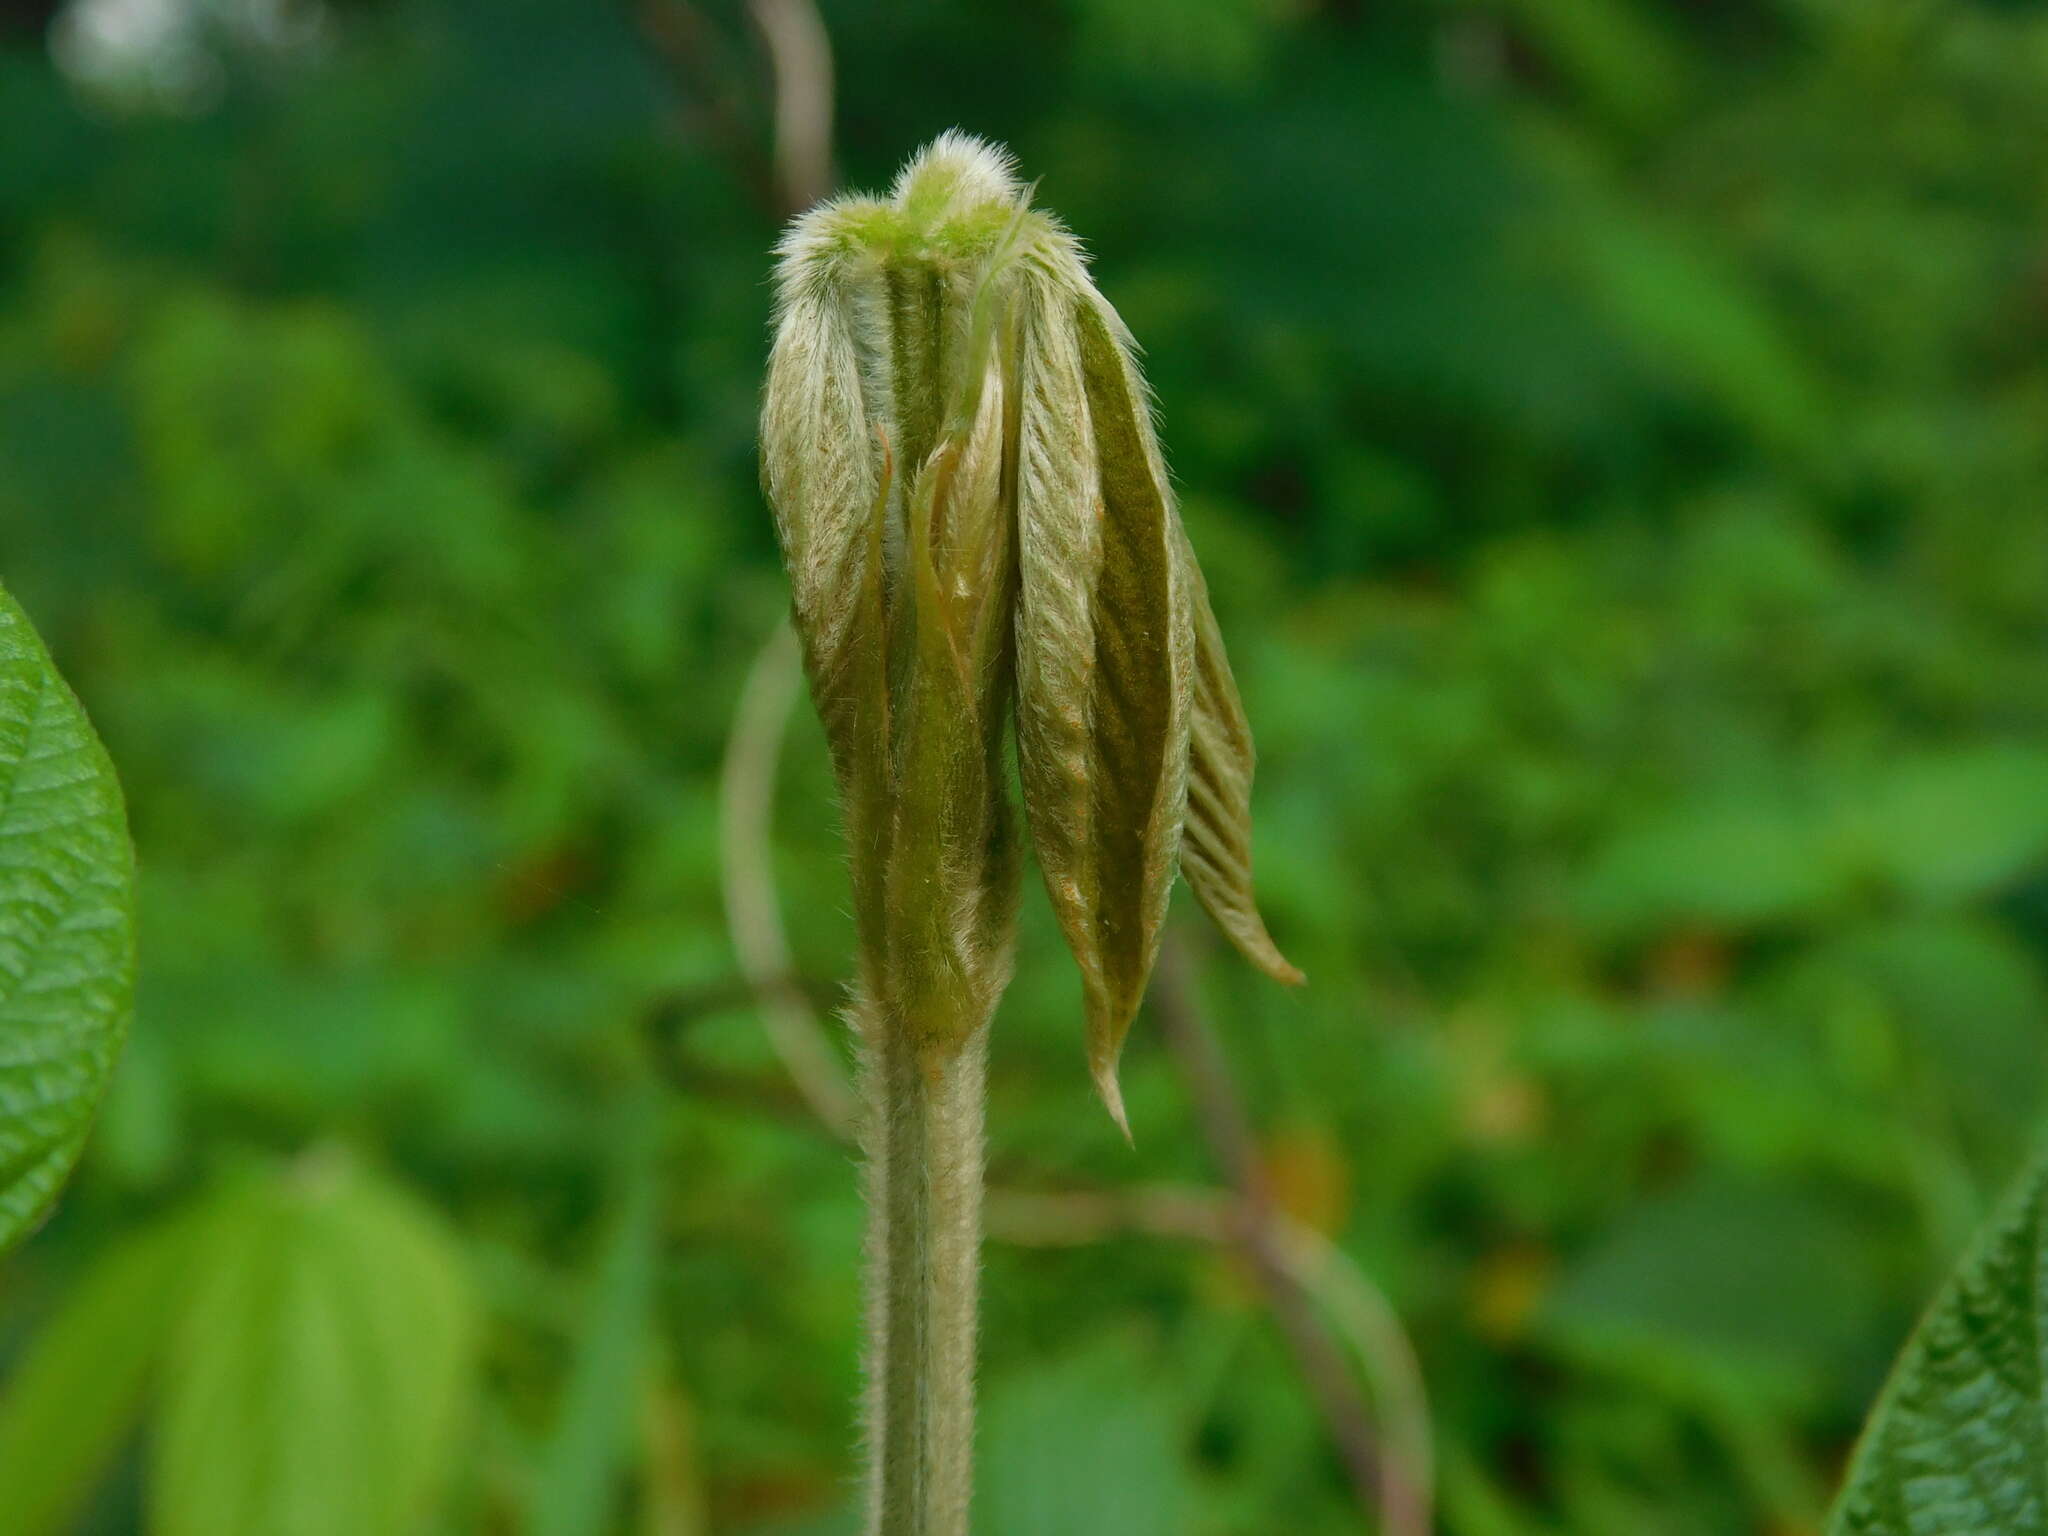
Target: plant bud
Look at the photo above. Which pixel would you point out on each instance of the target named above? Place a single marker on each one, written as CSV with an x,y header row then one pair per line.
x,y
977,525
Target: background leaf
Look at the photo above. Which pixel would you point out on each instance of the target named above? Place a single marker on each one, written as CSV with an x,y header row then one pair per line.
x,y
67,932
319,1372
77,1394
593,1437
1080,1446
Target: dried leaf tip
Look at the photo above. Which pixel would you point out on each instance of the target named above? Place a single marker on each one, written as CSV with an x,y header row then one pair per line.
x,y
1111,1092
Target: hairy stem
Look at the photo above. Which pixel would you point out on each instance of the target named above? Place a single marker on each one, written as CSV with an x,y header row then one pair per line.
x,y
924,1169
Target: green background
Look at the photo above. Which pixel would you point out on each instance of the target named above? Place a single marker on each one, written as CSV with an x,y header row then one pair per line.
x,y
1615,432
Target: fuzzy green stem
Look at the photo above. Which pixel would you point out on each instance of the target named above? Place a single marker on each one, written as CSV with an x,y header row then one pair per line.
x,y
924,1169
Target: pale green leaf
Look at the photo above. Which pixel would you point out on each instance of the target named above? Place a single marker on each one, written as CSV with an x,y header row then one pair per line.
x,y
1958,1442
318,1375
77,1393
67,926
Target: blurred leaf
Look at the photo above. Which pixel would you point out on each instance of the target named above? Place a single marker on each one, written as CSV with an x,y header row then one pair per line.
x,y
672,1502
319,1373
1734,863
1959,1438
1780,1282
1969,997
1083,1448
594,1429
1214,43
76,1395
1949,825
1614,51
67,934
1698,325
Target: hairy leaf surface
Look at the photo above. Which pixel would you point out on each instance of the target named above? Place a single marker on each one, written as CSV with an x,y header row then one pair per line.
x,y
1216,842
1138,699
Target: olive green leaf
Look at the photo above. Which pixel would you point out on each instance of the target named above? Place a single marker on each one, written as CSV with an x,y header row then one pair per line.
x,y
67,926
1216,843
951,869
1059,538
885,433
1104,611
1958,1442
824,470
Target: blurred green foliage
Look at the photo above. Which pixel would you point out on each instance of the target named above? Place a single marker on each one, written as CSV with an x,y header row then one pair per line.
x,y
1616,433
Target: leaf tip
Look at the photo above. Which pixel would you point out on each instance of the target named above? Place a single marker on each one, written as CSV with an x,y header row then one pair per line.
x,y
1237,918
1265,955
1112,1095
1256,945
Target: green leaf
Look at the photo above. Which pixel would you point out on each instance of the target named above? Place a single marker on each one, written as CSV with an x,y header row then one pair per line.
x,y
1216,843
319,1372
593,1434
78,1392
1700,323
1727,864
1952,825
1615,52
67,926
1774,1285
1958,1442
1105,643
1083,1447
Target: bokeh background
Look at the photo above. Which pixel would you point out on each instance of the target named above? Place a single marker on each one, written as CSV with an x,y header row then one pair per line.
x,y
1616,433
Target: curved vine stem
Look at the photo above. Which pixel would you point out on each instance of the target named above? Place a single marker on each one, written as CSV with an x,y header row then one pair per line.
x,y
753,914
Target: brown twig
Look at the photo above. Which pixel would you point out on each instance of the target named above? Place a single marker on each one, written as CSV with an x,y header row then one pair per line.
x,y
798,171
800,55
746,811
680,37
1278,1253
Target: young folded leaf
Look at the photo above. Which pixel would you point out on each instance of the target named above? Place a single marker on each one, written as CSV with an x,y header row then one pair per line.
x,y
826,471
884,444
951,882
1111,635
1216,845
977,519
